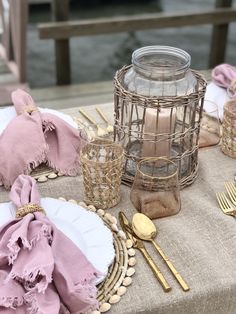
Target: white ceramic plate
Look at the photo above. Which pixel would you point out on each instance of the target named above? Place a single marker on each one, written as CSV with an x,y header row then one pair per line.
x,y
86,229
7,114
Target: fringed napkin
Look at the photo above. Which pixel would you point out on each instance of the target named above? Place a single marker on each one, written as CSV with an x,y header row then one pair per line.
x,y
224,75
33,138
41,270
221,89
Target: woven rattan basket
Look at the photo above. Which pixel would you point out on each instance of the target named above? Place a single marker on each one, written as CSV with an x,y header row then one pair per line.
x,y
182,138
228,144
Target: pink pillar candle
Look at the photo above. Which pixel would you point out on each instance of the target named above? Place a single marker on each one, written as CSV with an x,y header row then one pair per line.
x,y
156,126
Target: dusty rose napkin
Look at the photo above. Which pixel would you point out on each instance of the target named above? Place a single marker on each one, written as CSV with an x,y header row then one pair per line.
x,y
224,75
41,270
33,138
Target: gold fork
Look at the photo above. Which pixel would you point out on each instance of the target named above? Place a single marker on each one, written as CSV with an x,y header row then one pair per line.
x,y
231,190
225,205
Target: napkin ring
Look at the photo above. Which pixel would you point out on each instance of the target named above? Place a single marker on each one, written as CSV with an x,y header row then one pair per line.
x,y
29,109
27,209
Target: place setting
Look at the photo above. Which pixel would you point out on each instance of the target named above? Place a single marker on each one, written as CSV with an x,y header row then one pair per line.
x,y
79,255
79,223
70,220
43,167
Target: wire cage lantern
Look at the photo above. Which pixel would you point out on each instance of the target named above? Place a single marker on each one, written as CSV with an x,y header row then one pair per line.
x,y
158,105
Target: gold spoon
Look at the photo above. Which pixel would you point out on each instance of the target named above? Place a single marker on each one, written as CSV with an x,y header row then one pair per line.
x,y
109,126
145,229
86,127
100,131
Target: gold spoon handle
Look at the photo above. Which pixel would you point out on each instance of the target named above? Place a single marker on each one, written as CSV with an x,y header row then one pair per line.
x,y
102,114
178,277
166,287
88,117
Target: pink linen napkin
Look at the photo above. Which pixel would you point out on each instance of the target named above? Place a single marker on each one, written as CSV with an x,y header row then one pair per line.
x,y
41,270
224,75
33,138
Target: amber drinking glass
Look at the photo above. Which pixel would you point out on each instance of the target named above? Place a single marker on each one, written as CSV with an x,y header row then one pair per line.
x,y
155,190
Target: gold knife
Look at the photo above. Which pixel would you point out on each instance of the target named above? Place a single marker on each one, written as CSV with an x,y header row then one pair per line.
x,y
138,244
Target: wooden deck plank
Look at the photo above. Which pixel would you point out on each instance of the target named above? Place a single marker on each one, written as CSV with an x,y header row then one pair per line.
x,y
5,93
7,78
59,97
72,91
3,67
76,101
8,83
63,30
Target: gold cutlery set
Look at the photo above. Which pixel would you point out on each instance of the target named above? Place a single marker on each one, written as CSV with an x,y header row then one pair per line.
x,y
225,202
100,131
142,228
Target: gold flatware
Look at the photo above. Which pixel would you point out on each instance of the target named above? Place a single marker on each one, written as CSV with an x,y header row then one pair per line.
x,y
100,131
86,127
110,127
225,205
138,244
231,190
145,229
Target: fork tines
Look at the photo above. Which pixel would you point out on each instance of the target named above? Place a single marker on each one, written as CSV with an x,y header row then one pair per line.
x,y
223,202
231,190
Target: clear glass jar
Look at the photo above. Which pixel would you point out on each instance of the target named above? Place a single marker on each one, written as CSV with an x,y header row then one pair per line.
x,y
158,107
160,71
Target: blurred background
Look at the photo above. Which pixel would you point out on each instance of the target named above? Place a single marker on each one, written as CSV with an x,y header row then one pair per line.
x,y
96,58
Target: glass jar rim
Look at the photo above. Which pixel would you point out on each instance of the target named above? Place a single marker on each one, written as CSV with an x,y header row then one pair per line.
x,y
166,51
156,159
101,143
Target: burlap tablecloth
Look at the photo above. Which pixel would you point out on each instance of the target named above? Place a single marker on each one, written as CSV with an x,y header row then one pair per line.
x,y
200,240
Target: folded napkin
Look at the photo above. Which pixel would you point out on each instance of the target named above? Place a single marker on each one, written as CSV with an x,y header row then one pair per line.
x,y
221,89
33,138
41,270
224,75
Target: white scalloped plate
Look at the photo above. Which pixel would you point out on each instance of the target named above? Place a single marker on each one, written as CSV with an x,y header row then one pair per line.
x,y
86,229
7,114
